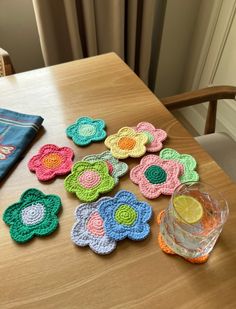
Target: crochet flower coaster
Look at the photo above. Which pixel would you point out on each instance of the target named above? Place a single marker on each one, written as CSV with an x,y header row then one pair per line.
x,y
188,162
88,180
155,136
116,168
168,250
125,216
89,229
156,176
86,130
34,215
51,161
127,143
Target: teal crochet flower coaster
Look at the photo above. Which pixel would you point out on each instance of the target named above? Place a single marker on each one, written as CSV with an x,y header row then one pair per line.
x,y
86,130
34,215
115,167
188,162
88,180
89,229
125,216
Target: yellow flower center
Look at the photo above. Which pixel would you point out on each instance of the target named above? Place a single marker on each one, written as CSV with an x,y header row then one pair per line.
x,y
52,160
126,143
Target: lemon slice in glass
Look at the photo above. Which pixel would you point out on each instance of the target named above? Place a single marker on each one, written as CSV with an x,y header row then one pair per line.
x,y
188,208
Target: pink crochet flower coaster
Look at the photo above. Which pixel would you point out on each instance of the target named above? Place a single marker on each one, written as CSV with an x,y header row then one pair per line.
x,y
155,176
51,161
155,136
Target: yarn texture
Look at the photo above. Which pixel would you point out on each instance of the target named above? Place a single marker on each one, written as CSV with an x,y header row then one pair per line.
x,y
86,130
34,215
188,162
88,180
115,167
155,136
51,161
127,143
156,176
125,216
89,229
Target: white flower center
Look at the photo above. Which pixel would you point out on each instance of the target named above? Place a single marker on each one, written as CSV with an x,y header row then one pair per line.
x,y
33,214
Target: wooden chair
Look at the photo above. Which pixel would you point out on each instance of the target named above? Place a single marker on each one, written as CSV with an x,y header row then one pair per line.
x,y
220,146
6,67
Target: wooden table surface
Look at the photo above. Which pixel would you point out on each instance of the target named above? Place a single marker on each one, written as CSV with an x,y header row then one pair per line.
x,y
51,272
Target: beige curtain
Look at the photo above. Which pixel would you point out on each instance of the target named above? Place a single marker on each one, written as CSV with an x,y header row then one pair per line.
x,y
73,29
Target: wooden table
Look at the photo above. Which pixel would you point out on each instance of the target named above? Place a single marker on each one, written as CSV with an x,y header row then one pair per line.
x,y
51,272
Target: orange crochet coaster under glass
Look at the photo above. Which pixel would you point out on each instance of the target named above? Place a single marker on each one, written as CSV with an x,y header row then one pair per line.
x,y
193,221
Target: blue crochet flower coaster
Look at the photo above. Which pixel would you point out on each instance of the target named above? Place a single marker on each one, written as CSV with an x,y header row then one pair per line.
x,y
89,229
86,130
125,216
34,215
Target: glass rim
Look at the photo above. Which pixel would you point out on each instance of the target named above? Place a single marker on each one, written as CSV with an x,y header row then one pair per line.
x,y
191,183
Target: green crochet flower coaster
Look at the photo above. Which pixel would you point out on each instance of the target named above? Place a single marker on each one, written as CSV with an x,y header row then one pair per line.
x,y
116,168
88,180
188,162
34,215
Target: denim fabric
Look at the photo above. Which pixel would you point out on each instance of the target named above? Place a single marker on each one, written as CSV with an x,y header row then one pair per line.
x,y
16,132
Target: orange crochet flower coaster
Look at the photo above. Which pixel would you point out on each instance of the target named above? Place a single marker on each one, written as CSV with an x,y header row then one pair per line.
x,y
168,250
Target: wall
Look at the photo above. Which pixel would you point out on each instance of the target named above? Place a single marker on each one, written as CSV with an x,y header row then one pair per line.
x,y
216,64
18,34
179,26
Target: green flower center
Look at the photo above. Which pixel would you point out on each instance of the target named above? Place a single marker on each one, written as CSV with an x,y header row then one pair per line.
x,y
149,136
87,130
125,215
155,174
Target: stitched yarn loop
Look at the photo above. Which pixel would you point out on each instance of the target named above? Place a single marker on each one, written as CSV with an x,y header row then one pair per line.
x,y
188,162
52,160
155,136
95,224
155,174
125,215
89,179
126,143
115,167
110,167
86,130
89,230
149,136
33,214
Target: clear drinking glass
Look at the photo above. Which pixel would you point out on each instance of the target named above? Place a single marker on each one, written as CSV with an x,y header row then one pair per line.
x,y
194,237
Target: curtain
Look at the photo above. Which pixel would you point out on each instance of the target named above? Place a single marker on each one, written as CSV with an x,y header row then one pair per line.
x,y
74,29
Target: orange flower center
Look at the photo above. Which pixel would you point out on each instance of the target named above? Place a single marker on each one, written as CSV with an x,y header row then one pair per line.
x,y
53,160
126,143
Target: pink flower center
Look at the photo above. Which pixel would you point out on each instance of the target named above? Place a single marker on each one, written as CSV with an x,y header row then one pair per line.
x,y
95,224
110,167
89,179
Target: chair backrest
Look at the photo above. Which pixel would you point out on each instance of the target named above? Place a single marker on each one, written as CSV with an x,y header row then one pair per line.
x,y
6,67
